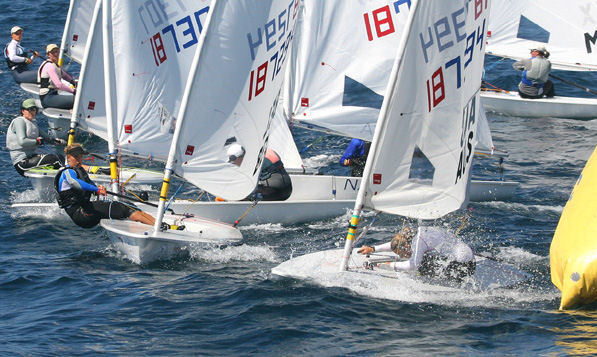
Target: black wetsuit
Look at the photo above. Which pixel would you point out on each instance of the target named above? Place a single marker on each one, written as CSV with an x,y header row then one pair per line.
x,y
74,197
274,182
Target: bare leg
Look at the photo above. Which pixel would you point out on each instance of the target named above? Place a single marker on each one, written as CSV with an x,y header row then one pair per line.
x,y
143,217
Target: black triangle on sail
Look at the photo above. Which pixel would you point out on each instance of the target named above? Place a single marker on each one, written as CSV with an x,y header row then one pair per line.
x,y
529,30
358,95
421,169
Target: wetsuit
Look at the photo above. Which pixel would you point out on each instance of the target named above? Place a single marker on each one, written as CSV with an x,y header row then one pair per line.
x,y
274,182
356,152
74,188
436,252
50,82
535,81
21,141
16,59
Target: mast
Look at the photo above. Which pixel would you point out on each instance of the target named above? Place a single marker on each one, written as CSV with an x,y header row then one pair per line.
x,y
109,90
379,127
65,33
74,121
177,130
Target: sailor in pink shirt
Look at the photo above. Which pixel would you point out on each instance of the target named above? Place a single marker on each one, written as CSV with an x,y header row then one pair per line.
x,y
51,78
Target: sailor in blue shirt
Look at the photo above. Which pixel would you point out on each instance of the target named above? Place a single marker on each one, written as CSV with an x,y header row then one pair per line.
x,y
74,189
356,156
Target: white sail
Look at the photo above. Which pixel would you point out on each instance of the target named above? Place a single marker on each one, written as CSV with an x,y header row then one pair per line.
x,y
153,51
342,60
76,31
282,142
89,111
567,29
431,112
234,93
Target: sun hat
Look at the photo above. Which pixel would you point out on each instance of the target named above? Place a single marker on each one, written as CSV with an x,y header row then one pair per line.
x,y
28,104
234,152
51,47
75,149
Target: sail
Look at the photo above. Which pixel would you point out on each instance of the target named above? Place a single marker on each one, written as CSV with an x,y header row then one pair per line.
x,y
282,142
89,110
341,62
430,114
76,33
153,51
567,29
233,94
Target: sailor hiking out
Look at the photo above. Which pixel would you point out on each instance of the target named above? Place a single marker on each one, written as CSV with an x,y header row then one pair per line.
x,y
51,78
74,189
23,137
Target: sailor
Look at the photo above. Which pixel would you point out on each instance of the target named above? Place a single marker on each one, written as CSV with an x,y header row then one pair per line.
x,y
23,137
432,251
50,78
274,182
74,189
355,155
535,81
17,60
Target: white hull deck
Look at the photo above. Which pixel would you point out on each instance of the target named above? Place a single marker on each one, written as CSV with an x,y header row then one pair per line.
x,y
511,104
137,242
314,197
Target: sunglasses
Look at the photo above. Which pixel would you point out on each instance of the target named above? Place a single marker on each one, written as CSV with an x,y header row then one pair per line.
x,y
32,109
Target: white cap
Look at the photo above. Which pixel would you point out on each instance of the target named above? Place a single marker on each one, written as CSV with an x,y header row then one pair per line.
x,y
15,29
234,152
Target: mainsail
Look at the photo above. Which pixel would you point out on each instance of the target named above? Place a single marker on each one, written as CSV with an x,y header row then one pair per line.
x,y
567,29
76,29
341,62
232,94
431,111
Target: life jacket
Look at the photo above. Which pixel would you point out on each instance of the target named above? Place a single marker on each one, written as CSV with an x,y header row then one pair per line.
x,y
71,196
538,74
271,164
14,65
45,83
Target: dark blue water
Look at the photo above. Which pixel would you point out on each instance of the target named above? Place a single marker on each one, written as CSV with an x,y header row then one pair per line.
x,y
65,291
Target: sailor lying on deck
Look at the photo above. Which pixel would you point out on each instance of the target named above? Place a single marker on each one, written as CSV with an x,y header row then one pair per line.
x,y
74,188
435,253
23,138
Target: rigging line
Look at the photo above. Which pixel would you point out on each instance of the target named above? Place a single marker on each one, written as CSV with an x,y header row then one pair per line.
x,y
366,229
589,90
495,88
173,196
244,214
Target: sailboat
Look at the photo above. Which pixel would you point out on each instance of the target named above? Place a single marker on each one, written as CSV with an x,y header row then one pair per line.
x,y
573,251
430,106
341,94
229,95
85,26
567,30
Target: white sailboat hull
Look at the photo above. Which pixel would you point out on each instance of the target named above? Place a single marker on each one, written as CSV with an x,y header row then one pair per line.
x,y
137,242
323,268
557,107
314,197
58,119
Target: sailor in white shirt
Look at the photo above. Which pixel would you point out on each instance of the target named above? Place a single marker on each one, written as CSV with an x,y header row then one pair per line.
x,y
431,251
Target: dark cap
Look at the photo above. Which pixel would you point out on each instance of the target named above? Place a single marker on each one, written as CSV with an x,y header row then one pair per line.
x,y
75,149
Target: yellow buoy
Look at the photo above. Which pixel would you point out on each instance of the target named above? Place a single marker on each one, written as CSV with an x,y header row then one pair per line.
x,y
573,251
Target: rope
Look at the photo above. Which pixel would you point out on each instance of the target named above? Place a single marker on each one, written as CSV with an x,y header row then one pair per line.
x,y
255,202
494,88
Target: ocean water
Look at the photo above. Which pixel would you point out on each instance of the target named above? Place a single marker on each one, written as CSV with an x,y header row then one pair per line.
x,y
66,291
